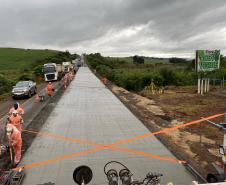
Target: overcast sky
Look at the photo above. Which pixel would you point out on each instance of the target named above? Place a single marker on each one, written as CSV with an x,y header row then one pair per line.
x,y
162,28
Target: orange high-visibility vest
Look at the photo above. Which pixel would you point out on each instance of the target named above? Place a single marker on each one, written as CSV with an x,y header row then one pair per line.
x,y
16,121
19,110
49,88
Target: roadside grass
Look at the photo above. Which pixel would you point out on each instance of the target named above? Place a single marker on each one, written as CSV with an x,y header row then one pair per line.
x,y
15,62
147,60
163,72
135,77
13,58
19,64
4,96
185,108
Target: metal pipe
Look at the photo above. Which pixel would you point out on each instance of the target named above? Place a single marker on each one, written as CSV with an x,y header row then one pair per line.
x,y
216,125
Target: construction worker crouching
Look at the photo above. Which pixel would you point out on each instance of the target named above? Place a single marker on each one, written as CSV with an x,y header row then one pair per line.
x,y
15,140
49,89
16,120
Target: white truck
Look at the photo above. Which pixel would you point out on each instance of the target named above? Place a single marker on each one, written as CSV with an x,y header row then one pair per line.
x,y
52,72
66,67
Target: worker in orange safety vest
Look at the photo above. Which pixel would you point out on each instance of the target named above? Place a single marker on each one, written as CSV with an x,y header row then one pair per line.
x,y
16,107
49,89
15,140
70,76
66,80
16,120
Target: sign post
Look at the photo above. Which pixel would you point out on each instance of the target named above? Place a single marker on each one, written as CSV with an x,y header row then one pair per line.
x,y
206,61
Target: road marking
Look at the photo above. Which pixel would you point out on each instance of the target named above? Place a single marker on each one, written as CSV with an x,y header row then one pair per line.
x,y
165,130
106,146
59,158
63,138
120,143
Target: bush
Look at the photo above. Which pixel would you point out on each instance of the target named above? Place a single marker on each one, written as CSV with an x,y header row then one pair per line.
x,y
134,77
38,71
5,84
168,76
26,77
177,60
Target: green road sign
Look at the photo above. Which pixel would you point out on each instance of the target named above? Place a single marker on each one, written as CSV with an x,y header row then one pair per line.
x,y
207,60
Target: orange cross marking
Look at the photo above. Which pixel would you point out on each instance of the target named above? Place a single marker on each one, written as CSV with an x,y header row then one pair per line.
x,y
112,146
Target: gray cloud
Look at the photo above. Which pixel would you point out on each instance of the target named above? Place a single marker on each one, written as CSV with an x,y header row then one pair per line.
x,y
119,27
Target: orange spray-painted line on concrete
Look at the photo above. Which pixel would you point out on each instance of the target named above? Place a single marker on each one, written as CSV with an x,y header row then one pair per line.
x,y
63,138
140,153
86,152
107,147
120,143
59,158
164,130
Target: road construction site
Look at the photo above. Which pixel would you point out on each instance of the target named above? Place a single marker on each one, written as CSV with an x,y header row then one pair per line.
x,y
90,126
32,112
86,124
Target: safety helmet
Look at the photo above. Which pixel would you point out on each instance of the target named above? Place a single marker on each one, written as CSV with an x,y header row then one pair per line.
x,y
14,113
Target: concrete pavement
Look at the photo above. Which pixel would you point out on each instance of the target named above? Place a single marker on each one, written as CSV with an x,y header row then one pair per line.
x,y
89,111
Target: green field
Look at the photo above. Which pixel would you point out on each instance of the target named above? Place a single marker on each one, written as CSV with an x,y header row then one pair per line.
x,y
163,72
20,64
14,59
147,60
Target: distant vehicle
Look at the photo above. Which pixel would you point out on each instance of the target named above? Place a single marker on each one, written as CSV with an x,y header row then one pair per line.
x,y
60,71
73,62
24,89
59,68
66,66
78,62
51,72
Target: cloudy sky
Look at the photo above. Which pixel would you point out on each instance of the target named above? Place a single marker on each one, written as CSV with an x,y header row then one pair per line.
x,y
115,27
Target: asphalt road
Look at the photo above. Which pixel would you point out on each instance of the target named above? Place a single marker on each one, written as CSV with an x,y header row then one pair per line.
x,y
31,108
86,119
5,105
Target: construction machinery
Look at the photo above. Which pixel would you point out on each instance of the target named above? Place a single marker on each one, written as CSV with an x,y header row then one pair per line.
x,y
219,175
83,175
12,177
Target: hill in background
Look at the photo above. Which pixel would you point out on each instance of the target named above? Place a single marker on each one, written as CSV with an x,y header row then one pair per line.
x,y
13,58
22,64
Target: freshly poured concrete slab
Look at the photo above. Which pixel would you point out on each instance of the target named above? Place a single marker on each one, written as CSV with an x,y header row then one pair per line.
x,y
90,112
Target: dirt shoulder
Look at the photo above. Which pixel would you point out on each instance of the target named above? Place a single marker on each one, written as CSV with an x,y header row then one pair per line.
x,y
197,144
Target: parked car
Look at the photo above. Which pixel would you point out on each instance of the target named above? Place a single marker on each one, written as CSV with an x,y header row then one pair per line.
x,y
24,89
